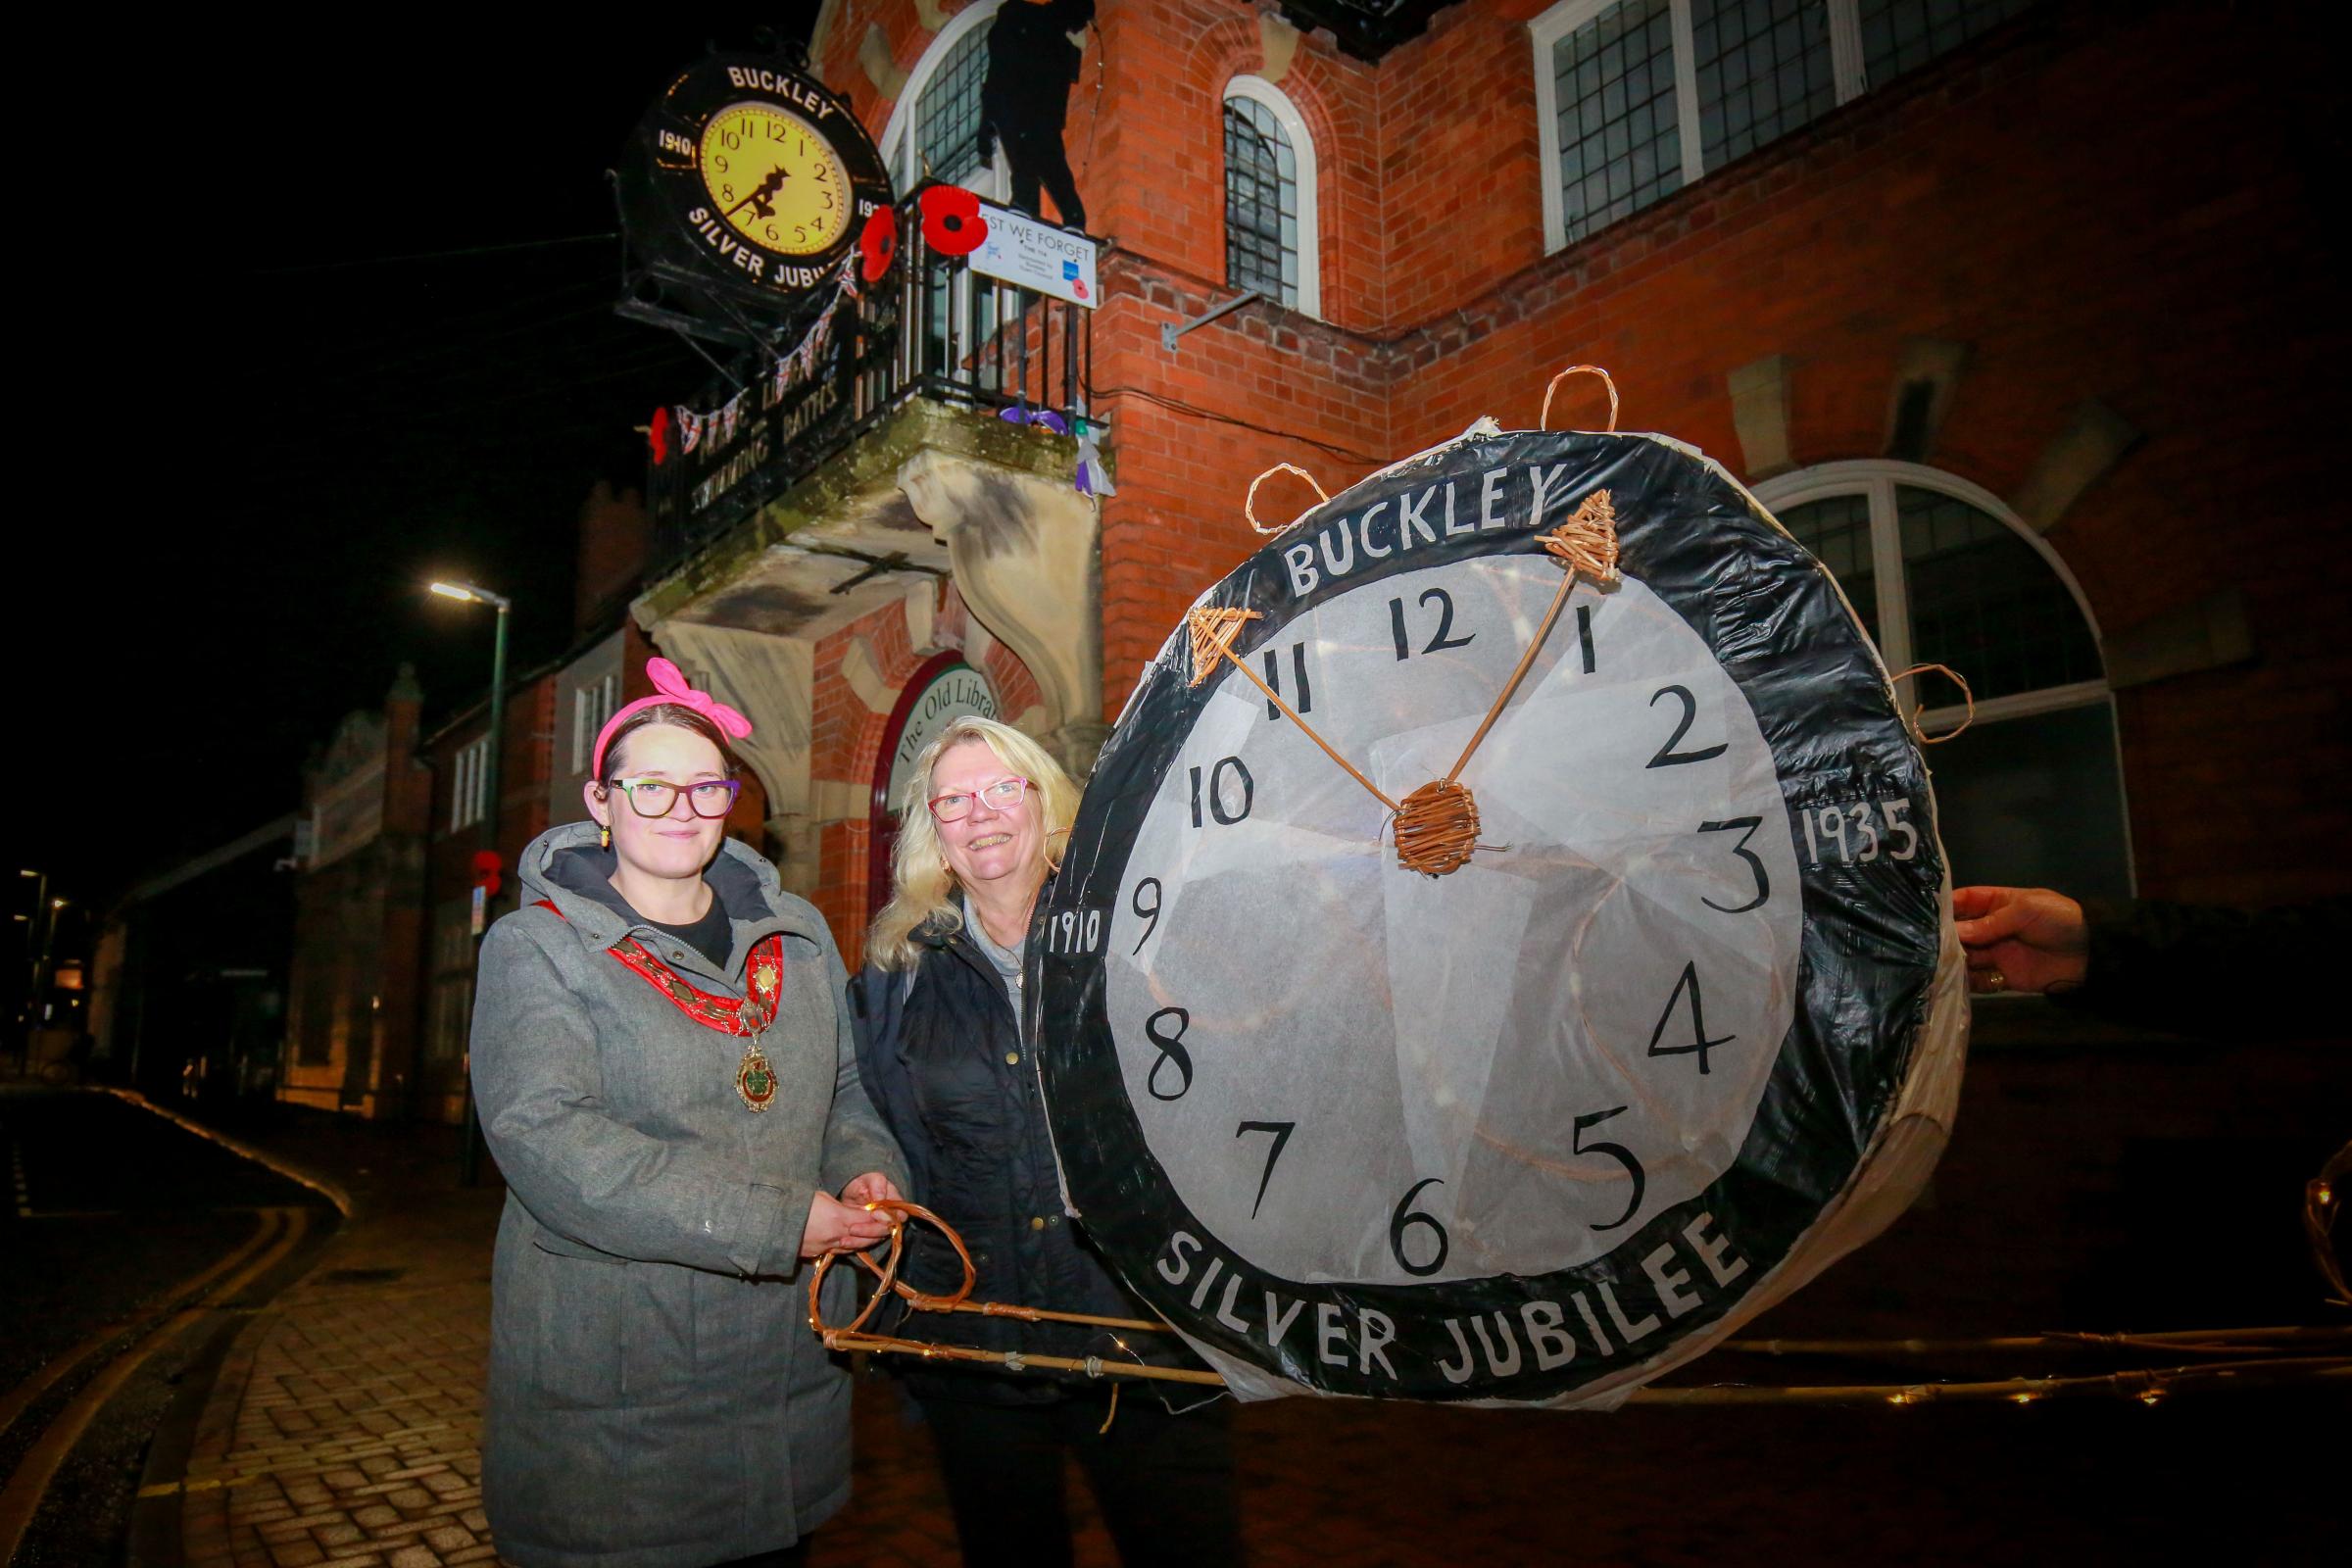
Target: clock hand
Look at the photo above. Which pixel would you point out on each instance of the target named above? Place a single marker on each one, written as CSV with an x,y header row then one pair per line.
x,y
1213,632
1586,542
760,193
1437,824
1437,827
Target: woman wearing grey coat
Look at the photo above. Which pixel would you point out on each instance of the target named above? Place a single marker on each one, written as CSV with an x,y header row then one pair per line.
x,y
668,1083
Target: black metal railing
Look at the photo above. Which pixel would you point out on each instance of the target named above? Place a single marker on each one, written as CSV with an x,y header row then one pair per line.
x,y
932,328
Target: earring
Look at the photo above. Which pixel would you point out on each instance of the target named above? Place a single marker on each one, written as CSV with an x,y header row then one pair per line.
x,y
603,837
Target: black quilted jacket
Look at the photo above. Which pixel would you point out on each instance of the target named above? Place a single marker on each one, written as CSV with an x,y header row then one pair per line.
x,y
943,1061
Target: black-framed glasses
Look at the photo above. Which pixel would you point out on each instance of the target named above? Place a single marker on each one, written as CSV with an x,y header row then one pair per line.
x,y
658,797
1002,796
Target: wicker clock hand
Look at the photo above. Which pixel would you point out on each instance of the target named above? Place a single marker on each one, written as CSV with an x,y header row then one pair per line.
x,y
1586,542
1437,824
1213,632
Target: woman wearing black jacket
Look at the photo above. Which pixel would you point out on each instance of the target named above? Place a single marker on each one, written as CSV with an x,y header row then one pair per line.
x,y
941,1048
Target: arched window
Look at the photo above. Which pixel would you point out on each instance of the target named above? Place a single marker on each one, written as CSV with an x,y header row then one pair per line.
x,y
934,132
934,128
1270,196
1940,572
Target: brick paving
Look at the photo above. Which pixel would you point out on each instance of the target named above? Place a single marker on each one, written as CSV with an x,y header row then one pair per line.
x,y
345,1423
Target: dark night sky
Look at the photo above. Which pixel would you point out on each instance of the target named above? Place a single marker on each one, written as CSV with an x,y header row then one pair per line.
x,y
304,428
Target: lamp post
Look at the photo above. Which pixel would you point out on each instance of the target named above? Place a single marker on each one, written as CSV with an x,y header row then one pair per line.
x,y
42,974
32,945
469,1157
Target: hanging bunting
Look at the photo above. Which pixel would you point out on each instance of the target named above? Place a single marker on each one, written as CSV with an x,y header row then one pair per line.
x,y
1021,413
789,370
1088,477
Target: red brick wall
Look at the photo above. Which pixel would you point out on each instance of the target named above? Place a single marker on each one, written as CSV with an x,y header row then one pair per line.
x,y
2116,204
1459,171
2013,199
847,736
844,738
615,534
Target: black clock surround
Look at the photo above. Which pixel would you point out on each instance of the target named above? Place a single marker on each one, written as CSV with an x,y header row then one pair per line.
x,y
1870,944
687,265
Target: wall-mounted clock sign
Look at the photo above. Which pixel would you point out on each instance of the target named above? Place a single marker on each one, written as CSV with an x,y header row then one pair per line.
x,y
1685,1025
749,179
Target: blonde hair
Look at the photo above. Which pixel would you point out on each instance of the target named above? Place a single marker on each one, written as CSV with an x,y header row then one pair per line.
x,y
923,890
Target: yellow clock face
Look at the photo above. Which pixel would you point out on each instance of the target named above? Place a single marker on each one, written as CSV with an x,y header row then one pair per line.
x,y
777,181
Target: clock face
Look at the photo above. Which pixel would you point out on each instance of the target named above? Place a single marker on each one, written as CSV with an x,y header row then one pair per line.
x,y
1508,1131
777,179
745,185
1497,1006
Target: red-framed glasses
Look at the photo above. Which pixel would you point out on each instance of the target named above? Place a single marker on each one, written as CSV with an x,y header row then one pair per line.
x,y
1002,796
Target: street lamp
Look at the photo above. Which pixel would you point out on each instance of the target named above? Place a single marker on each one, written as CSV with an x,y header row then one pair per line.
x,y
32,998
469,1163
466,592
42,974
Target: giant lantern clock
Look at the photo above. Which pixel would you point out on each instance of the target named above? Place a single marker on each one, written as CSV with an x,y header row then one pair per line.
x,y
1505,943
741,195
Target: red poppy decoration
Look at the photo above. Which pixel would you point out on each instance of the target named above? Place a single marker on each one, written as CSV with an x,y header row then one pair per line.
x,y
657,435
879,241
951,221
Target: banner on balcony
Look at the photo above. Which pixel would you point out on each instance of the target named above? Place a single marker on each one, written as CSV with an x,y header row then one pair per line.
x,y
1022,251
742,196
788,371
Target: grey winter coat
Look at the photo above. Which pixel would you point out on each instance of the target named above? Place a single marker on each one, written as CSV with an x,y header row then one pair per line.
x,y
656,1397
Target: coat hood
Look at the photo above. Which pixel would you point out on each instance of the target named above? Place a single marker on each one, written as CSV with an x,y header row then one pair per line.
x,y
566,867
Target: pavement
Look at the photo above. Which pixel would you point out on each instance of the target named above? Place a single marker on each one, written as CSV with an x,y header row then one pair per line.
x,y
2094,1184
344,1424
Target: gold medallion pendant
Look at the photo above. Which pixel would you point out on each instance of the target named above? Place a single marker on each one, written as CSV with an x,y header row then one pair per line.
x,y
756,1080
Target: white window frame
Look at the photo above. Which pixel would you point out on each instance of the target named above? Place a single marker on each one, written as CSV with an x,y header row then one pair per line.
x,y
592,705
468,784
1258,90
1564,19
992,181
1876,479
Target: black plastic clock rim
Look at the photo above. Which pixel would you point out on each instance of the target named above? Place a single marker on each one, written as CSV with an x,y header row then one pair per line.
x,y
685,108
1693,539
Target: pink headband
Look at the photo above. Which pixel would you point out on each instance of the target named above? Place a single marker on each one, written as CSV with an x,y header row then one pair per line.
x,y
669,686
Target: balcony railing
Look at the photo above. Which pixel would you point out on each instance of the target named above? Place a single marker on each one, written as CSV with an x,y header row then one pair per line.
x,y
933,329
